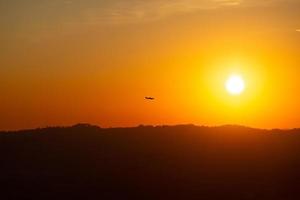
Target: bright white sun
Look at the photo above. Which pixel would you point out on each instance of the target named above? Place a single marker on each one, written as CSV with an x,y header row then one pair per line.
x,y
235,85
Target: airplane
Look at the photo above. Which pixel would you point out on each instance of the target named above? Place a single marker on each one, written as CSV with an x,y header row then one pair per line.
x,y
150,98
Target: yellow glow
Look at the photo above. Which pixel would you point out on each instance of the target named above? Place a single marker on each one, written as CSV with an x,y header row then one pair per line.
x,y
235,85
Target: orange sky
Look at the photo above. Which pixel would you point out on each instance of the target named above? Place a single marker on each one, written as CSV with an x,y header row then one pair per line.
x,y
64,62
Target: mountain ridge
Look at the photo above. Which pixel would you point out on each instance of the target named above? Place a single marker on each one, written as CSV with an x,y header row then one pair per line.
x,y
95,127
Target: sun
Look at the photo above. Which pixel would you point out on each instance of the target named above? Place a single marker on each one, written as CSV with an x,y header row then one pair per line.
x,y
235,85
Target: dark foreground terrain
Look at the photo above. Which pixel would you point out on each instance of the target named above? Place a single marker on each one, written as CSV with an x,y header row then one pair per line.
x,y
159,163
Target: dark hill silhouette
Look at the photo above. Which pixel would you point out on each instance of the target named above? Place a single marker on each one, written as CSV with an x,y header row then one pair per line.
x,y
167,162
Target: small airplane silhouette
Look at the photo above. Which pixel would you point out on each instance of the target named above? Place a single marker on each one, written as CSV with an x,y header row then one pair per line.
x,y
150,98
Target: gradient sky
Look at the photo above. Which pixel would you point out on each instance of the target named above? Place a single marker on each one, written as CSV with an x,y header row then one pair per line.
x,y
64,62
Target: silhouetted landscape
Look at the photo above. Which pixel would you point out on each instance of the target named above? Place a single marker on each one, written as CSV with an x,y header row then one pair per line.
x,y
164,162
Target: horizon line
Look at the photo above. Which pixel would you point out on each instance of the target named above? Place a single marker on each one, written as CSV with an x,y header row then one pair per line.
x,y
146,125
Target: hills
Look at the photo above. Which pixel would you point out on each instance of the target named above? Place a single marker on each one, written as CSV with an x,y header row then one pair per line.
x,y
165,162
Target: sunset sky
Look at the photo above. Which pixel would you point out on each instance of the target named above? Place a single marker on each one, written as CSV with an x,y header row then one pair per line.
x,y
65,62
